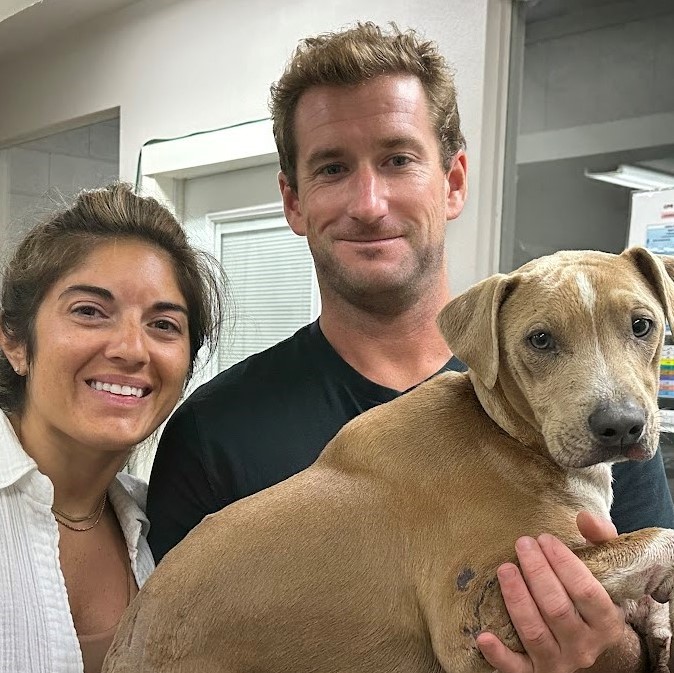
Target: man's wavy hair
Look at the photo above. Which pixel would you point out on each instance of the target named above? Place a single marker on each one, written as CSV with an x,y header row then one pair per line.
x,y
354,56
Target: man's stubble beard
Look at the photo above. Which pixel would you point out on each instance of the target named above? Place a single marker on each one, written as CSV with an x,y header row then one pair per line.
x,y
389,296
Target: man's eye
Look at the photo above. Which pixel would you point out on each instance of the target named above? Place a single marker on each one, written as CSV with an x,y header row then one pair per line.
x,y
331,169
400,160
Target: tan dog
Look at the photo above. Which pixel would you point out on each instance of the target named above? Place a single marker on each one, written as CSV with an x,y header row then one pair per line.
x,y
382,556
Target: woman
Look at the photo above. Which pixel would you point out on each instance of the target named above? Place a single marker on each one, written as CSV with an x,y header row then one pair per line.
x,y
103,310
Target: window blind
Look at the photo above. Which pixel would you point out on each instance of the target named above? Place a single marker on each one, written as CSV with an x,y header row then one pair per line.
x,y
270,271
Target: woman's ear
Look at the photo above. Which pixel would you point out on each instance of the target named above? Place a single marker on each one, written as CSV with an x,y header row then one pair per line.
x,y
15,354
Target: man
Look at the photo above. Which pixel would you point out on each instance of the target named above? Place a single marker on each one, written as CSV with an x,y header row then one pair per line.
x,y
373,165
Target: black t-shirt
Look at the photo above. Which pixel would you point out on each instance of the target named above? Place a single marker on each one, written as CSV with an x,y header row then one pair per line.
x,y
270,416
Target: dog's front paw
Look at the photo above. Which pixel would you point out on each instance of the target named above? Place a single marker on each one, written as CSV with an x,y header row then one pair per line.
x,y
660,583
651,620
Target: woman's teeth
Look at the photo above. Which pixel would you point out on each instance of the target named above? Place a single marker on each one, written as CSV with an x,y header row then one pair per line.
x,y
116,389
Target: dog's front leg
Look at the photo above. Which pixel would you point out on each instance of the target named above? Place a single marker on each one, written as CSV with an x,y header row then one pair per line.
x,y
633,568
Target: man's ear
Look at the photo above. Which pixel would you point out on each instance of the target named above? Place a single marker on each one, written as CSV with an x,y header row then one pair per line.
x,y
469,324
457,186
291,206
15,354
658,270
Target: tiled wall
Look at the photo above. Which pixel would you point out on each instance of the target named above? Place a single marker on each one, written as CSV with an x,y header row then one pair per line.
x,y
45,172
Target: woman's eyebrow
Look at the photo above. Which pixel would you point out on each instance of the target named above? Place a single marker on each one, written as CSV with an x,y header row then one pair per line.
x,y
170,306
90,289
108,296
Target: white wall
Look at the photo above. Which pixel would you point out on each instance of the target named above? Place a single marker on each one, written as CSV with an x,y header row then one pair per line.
x,y
177,67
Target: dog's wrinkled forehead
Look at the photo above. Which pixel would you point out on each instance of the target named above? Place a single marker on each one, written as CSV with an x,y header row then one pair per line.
x,y
554,269
589,279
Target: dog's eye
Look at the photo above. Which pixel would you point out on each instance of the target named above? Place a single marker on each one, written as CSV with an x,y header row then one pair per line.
x,y
641,327
542,341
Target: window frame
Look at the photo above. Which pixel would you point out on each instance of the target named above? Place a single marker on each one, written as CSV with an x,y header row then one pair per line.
x,y
239,220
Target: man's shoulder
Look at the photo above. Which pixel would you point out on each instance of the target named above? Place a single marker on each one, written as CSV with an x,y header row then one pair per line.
x,y
260,374
259,417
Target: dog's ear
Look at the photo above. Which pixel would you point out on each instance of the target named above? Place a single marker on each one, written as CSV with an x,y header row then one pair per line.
x,y
469,324
658,270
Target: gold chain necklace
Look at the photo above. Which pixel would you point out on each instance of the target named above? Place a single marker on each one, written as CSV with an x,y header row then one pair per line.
x,y
61,517
78,519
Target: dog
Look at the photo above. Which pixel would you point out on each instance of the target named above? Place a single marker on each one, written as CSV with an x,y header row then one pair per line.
x,y
382,556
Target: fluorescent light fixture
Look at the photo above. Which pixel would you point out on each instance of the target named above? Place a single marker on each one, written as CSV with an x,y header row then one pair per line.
x,y
634,177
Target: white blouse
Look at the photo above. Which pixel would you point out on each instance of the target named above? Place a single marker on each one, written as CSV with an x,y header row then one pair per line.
x,y
37,634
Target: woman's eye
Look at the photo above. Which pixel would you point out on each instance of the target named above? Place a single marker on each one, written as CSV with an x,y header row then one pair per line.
x,y
85,310
541,341
166,325
641,327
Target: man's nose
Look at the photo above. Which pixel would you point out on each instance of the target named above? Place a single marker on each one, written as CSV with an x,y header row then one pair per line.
x,y
128,342
368,200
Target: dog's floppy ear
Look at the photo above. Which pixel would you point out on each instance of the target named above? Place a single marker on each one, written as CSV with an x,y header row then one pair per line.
x,y
658,270
469,324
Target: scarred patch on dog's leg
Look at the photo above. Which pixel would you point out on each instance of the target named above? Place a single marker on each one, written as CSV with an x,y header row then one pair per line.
x,y
491,615
464,578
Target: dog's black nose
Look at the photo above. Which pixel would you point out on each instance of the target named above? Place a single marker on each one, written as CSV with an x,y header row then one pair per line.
x,y
618,423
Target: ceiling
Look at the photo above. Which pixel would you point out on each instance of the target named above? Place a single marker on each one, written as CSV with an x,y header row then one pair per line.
x,y
29,23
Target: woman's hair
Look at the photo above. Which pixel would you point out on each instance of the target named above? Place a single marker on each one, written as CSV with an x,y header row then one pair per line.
x,y
60,244
354,56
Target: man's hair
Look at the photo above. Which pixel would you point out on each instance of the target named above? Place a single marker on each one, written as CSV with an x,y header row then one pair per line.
x,y
354,56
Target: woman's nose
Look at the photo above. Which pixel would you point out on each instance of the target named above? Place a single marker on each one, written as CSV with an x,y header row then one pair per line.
x,y
128,341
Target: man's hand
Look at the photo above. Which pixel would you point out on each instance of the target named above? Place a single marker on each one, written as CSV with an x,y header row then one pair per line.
x,y
595,529
562,614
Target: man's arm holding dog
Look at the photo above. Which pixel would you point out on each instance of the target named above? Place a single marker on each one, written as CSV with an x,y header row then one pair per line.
x,y
564,617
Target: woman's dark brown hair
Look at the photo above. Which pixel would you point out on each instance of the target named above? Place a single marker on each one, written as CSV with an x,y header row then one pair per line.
x,y
55,247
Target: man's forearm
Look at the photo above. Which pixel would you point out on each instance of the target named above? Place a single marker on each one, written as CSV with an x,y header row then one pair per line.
x,y
628,657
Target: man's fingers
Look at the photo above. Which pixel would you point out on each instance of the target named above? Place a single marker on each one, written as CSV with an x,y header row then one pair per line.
x,y
595,529
562,614
588,596
553,603
524,613
500,657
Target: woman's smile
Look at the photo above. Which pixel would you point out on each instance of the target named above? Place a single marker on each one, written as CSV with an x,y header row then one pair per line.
x,y
123,345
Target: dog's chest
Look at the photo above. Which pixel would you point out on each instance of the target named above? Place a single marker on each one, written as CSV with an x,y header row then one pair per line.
x,y
590,489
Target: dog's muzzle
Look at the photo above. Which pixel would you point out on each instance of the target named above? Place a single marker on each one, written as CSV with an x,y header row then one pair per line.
x,y
618,427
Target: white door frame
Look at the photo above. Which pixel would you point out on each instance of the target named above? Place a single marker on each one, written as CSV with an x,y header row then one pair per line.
x,y
163,165
237,216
